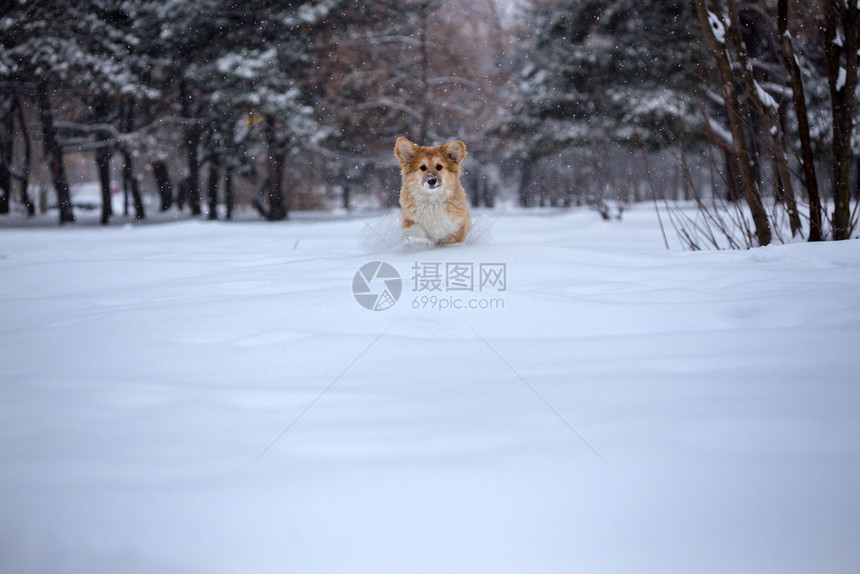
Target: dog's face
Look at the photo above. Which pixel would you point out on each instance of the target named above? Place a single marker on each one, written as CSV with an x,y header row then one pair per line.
x,y
429,169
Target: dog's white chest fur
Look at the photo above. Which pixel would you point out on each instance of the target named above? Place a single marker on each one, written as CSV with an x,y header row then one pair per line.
x,y
433,218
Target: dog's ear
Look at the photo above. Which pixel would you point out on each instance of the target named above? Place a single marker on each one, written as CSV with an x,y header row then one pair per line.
x,y
404,150
455,150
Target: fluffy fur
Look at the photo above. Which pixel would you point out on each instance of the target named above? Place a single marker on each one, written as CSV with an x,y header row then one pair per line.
x,y
431,196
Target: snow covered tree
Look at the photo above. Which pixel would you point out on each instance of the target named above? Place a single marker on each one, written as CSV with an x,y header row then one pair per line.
x,y
715,27
271,100
841,43
597,71
52,49
221,60
807,157
610,70
781,62
179,36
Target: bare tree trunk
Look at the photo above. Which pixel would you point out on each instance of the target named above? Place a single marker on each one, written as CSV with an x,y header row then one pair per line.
x,y
54,155
424,103
472,189
131,182
192,143
7,149
856,193
13,110
709,23
103,157
489,199
524,195
799,99
181,193
346,197
162,181
229,197
732,177
277,209
259,197
24,176
840,51
212,189
768,109
139,212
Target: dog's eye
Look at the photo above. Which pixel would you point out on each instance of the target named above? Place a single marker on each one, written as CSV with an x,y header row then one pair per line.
x,y
438,167
423,168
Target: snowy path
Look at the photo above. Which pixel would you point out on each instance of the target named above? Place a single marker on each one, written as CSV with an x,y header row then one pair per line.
x,y
627,409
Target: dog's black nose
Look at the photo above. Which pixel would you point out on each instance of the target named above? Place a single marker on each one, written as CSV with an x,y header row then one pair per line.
x,y
431,180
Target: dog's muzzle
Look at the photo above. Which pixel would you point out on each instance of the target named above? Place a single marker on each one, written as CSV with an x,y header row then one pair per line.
x,y
432,181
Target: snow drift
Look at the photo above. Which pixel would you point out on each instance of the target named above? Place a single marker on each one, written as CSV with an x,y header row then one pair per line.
x,y
211,398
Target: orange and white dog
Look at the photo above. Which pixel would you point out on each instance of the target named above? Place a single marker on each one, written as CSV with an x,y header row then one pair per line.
x,y
433,201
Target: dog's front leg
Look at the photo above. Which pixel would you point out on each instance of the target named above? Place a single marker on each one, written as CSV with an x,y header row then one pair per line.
x,y
415,236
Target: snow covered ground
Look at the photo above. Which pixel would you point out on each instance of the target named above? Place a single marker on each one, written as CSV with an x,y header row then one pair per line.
x,y
201,397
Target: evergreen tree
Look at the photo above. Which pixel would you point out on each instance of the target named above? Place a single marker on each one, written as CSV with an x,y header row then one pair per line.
x,y
225,61
54,49
607,71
